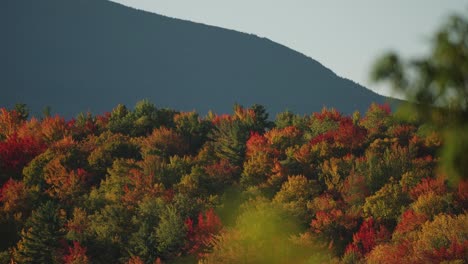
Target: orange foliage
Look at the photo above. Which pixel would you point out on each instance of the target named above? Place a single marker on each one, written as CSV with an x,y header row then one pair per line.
x,y
140,186
428,185
327,114
257,143
64,184
54,128
10,121
14,196
280,139
164,142
410,220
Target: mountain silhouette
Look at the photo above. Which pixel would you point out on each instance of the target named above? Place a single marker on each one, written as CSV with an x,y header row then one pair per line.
x,y
90,55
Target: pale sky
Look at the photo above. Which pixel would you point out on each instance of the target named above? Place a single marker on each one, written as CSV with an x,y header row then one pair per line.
x,y
344,35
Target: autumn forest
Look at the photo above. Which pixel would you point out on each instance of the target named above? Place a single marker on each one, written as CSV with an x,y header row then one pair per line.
x,y
154,185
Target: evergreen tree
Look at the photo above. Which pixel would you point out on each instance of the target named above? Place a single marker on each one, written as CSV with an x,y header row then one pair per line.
x,y
229,141
171,232
40,241
22,110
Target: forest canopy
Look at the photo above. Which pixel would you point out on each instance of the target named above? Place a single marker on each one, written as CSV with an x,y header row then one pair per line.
x,y
150,185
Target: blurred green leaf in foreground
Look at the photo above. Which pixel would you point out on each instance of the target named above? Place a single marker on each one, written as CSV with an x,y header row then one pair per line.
x,y
436,87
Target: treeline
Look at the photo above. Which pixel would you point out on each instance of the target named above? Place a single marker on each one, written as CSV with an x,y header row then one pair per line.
x,y
153,185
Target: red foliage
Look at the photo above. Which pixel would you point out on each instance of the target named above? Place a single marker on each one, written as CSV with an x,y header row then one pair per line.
x,y
16,152
347,135
428,185
103,120
218,119
200,235
330,217
256,143
222,170
323,219
410,221
76,254
385,108
368,236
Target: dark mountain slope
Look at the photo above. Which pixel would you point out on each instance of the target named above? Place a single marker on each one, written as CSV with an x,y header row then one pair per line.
x,y
79,55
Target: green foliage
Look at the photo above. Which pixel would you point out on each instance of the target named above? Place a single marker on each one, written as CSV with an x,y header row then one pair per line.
x,y
322,122
170,232
229,139
294,195
109,148
33,173
261,235
442,230
193,128
22,110
385,159
121,120
260,121
41,236
432,204
111,189
284,119
334,171
141,121
110,228
144,242
386,204
256,169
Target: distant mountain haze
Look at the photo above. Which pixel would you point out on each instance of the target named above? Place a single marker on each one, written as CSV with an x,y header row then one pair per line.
x,y
90,55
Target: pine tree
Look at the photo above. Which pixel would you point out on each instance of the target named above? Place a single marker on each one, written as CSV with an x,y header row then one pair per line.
x,y
41,236
229,141
170,232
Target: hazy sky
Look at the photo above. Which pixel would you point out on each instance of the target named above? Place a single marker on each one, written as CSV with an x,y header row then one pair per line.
x,y
344,35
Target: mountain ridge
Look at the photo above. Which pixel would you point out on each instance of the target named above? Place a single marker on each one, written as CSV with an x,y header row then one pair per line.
x,y
104,49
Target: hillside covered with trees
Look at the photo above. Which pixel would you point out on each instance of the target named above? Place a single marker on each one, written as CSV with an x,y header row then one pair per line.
x,y
153,185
